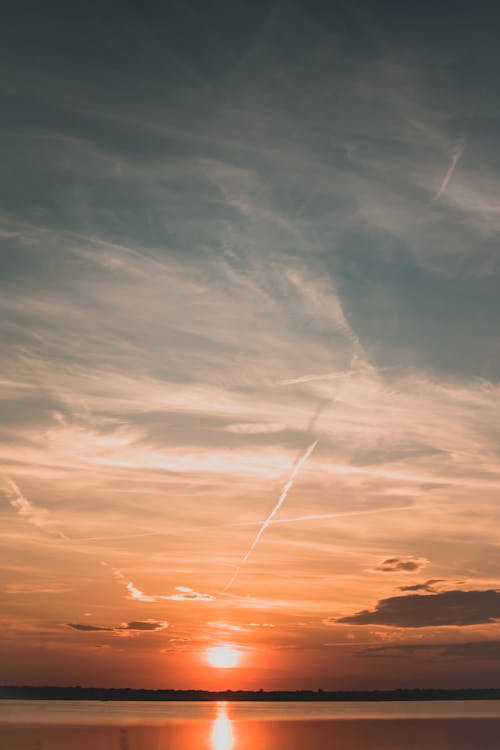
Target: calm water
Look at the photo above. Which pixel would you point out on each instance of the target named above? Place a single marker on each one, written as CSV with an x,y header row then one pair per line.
x,y
89,725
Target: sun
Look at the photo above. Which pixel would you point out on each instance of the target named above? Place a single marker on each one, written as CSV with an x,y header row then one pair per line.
x,y
223,657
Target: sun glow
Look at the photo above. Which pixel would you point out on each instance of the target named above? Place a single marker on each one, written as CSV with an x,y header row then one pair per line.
x,y
223,657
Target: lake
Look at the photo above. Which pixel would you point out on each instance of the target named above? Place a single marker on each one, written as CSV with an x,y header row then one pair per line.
x,y
124,725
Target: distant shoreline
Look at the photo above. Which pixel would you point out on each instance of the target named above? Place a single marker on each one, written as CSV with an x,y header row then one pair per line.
x,y
45,692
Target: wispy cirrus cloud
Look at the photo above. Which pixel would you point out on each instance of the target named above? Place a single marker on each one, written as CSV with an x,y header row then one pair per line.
x,y
39,517
254,428
20,503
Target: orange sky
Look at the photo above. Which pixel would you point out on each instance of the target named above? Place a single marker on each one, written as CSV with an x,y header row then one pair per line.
x,y
122,581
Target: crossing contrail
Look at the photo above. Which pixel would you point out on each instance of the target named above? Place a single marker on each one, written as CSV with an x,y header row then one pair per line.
x,y
284,492
457,155
325,516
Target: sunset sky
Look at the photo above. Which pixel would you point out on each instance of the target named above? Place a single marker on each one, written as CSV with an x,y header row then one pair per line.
x,y
250,370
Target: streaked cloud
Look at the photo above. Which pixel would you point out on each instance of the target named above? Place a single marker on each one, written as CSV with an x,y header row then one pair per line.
x,y
135,625
470,650
36,588
254,428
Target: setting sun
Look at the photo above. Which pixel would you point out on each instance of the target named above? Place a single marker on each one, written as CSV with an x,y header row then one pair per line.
x,y
223,657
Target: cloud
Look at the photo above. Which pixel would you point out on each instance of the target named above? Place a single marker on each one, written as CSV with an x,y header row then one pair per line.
x,y
89,628
453,608
471,650
401,564
148,625
425,586
184,594
136,593
141,625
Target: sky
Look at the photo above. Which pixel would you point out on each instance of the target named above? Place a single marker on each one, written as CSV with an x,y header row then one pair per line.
x,y
250,369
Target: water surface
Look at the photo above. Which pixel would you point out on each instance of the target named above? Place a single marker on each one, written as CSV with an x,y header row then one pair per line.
x,y
131,725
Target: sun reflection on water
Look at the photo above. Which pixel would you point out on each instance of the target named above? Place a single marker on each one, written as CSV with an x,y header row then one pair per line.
x,y
222,731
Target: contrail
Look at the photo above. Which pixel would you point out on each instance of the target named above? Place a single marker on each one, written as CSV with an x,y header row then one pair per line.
x,y
457,155
325,516
281,500
116,537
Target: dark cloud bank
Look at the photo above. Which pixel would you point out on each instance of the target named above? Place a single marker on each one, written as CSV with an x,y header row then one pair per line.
x,y
419,611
